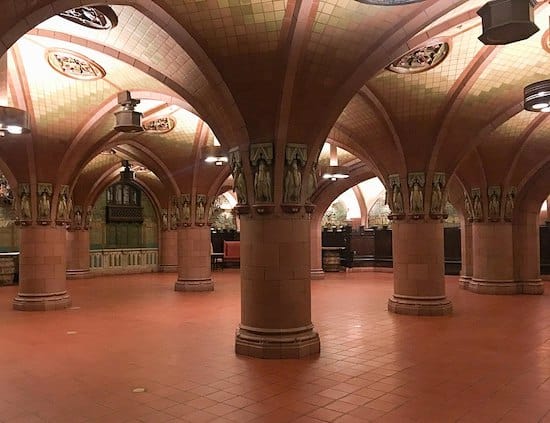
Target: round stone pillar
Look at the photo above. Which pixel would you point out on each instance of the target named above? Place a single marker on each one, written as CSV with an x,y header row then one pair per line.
x,y
316,250
467,269
42,266
194,273
418,267
527,253
276,288
493,259
168,251
78,254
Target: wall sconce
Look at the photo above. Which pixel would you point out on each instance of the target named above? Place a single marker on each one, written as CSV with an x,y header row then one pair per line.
x,y
214,154
536,96
127,119
13,121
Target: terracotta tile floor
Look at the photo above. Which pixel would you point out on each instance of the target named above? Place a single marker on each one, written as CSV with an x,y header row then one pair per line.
x,y
489,362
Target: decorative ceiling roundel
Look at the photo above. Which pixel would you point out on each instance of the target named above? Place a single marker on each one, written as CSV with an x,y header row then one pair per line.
x,y
160,125
420,59
95,17
389,2
74,65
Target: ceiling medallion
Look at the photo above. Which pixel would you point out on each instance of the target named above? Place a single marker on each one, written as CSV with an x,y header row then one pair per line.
x,y
388,2
160,125
95,17
421,59
74,65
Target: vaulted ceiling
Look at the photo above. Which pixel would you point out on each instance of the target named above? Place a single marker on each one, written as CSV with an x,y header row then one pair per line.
x,y
275,71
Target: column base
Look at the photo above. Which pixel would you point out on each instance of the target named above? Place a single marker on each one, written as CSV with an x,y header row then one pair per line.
x,y
78,273
440,306
464,282
197,285
317,274
494,287
42,302
168,268
532,287
277,343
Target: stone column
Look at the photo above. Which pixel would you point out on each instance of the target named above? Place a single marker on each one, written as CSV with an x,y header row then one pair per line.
x,y
527,253
275,288
316,250
194,273
168,251
78,254
493,259
466,246
418,268
42,265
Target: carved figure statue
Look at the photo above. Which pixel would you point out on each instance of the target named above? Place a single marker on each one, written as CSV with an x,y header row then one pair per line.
x,y
62,207
416,198
89,217
509,206
164,219
239,184
494,205
262,183
468,207
397,200
311,183
293,183
437,199
78,218
185,211
174,218
25,205
44,205
200,211
478,211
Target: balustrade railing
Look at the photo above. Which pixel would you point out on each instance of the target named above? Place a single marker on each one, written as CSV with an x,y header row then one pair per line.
x,y
124,260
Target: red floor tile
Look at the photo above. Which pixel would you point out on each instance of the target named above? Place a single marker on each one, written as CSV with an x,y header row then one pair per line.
x,y
490,361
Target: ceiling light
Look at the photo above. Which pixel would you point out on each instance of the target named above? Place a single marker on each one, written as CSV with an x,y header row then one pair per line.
x,y
127,119
13,121
507,21
215,154
537,96
334,173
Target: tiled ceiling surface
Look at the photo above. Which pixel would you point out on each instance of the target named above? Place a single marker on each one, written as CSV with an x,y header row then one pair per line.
x,y
288,65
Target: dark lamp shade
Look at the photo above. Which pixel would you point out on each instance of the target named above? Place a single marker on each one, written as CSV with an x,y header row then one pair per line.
x,y
506,21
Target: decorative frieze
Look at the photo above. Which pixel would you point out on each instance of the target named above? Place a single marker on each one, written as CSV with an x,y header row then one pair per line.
x,y
160,125
76,217
421,59
468,210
